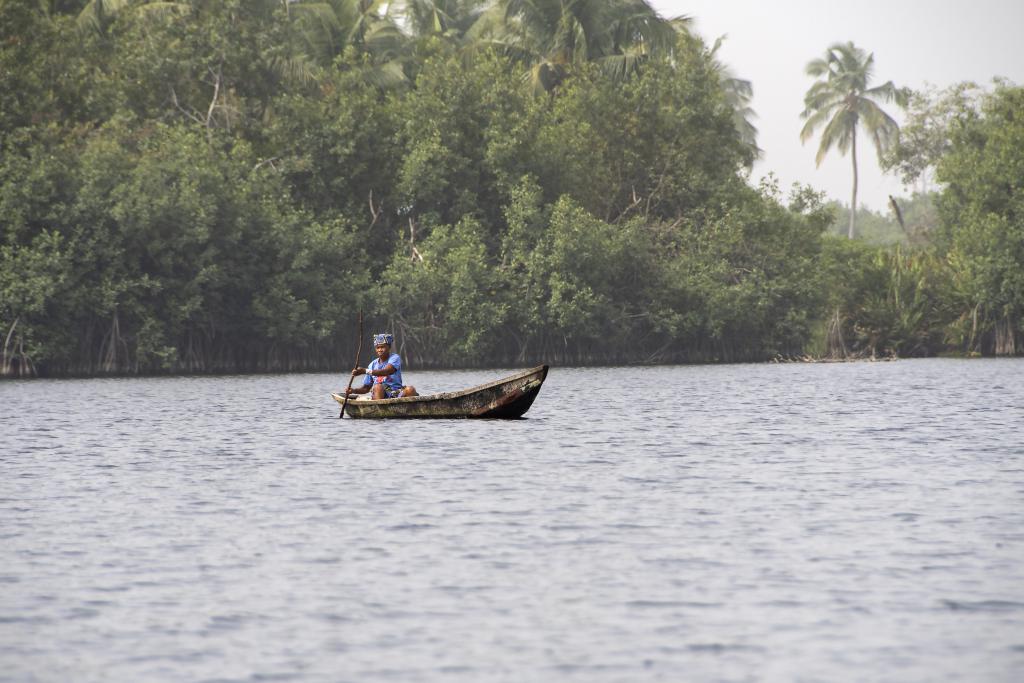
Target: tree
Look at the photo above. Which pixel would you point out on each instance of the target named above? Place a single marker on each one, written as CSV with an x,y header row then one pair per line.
x,y
98,15
738,94
925,134
327,28
219,185
622,149
983,209
30,277
450,18
841,100
555,36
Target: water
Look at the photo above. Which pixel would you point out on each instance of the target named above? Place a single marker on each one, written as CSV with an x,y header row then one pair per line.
x,y
738,523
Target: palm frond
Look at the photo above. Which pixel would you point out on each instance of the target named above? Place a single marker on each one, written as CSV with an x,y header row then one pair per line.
x,y
814,120
328,26
817,67
635,23
738,94
294,69
321,14
621,67
384,41
98,13
682,23
618,35
822,95
882,128
387,76
887,92
838,133
489,23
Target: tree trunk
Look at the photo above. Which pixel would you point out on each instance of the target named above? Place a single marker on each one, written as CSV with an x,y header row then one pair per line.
x,y
1006,337
6,365
836,345
853,200
974,332
108,350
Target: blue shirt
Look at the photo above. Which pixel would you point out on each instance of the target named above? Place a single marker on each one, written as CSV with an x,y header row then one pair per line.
x,y
394,380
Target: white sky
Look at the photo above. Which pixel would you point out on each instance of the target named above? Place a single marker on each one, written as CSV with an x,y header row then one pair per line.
x,y
915,42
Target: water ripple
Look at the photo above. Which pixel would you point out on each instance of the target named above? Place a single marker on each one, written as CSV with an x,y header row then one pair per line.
x,y
749,522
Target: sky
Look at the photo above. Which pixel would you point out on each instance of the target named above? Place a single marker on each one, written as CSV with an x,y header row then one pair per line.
x,y
915,43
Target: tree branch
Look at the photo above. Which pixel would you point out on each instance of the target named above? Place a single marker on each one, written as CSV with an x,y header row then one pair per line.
x,y
191,115
375,212
216,93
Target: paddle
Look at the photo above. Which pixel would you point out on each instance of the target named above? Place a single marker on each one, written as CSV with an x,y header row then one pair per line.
x,y
359,352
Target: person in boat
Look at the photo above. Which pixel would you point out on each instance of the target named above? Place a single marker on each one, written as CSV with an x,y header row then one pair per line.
x,y
384,373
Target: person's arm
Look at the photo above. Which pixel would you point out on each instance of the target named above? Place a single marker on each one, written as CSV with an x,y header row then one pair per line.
x,y
394,365
388,369
367,382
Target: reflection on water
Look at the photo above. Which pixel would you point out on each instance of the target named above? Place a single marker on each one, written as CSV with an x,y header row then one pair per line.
x,y
744,522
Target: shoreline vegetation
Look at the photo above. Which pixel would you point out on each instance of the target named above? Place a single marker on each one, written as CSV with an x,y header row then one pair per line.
x,y
217,187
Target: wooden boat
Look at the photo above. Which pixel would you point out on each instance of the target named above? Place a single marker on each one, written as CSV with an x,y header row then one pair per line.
x,y
504,398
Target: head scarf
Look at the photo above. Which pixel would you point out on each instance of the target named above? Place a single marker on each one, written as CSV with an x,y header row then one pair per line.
x,y
383,338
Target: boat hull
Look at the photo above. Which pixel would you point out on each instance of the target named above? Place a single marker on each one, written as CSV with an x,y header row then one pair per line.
x,y
506,398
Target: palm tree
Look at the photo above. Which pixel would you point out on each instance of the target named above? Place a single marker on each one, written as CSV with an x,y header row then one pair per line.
x,y
448,18
738,94
97,15
328,27
554,36
840,99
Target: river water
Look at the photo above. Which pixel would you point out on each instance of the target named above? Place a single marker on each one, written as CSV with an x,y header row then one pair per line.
x,y
811,522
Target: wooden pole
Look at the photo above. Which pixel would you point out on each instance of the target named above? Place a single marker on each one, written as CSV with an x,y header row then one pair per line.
x,y
359,352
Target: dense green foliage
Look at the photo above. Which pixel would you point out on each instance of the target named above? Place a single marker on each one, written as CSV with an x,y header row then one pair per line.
x,y
955,281
207,186
983,207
